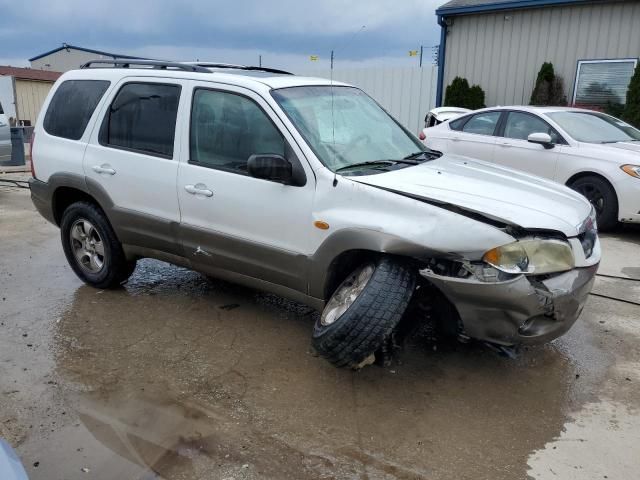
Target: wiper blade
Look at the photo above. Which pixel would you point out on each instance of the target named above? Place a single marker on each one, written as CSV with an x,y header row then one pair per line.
x,y
376,162
426,153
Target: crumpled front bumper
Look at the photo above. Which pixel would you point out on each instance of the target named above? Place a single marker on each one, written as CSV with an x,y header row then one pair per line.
x,y
517,311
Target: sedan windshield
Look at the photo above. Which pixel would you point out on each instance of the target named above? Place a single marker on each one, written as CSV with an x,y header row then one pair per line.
x,y
345,127
594,127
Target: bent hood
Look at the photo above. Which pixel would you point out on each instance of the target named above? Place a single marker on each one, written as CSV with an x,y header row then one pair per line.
x,y
493,191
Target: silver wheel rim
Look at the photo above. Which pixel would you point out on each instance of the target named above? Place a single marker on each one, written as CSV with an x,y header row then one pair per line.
x,y
87,246
346,294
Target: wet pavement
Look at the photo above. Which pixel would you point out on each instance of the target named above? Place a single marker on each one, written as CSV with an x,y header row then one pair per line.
x,y
176,376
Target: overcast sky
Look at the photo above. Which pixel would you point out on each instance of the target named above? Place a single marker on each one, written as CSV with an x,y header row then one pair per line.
x,y
284,32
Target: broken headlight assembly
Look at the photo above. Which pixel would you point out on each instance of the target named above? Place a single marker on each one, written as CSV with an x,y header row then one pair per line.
x,y
531,256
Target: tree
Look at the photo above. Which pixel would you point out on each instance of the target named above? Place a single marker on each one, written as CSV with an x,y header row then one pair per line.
x,y
632,109
549,88
476,98
456,93
459,94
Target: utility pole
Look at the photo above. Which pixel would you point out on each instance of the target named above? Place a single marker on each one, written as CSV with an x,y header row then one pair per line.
x,y
260,60
332,60
421,50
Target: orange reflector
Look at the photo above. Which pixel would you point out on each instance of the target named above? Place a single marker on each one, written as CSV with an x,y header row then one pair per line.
x,y
492,256
321,225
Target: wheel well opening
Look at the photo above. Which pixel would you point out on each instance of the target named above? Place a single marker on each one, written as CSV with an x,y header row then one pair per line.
x,y
65,196
343,265
580,175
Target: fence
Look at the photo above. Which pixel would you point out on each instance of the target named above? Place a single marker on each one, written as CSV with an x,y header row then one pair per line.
x,y
408,93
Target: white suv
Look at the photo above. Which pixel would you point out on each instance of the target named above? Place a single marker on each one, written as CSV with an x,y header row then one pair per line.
x,y
309,190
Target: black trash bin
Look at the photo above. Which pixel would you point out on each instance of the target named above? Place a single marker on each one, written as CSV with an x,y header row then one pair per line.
x,y
17,146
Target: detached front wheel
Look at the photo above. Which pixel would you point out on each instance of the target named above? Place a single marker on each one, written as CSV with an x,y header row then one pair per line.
x,y
363,311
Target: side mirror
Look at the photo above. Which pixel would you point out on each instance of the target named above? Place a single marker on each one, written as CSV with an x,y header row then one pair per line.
x,y
543,139
270,166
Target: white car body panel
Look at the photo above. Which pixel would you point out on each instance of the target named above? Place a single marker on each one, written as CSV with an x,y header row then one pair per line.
x,y
517,198
559,164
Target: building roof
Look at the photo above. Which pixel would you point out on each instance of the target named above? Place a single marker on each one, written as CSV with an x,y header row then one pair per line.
x,y
82,49
30,73
461,7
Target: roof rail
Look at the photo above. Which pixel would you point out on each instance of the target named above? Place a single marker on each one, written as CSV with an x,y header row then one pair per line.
x,y
156,64
238,67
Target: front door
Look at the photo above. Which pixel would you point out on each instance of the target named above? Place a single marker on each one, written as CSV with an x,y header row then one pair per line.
x,y
132,160
231,221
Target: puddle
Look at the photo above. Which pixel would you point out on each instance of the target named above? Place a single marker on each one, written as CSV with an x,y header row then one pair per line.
x,y
168,379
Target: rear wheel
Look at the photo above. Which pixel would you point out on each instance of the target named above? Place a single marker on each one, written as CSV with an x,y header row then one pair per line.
x,y
363,311
603,198
92,248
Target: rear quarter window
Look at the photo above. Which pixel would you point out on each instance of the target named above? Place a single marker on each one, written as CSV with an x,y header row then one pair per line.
x,y
71,107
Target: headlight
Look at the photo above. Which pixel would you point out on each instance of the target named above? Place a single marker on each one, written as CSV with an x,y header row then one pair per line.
x,y
534,256
633,170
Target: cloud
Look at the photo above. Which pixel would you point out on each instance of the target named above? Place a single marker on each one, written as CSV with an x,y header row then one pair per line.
x,y
288,30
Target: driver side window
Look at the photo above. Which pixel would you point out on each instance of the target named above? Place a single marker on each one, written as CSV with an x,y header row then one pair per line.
x,y
520,125
227,128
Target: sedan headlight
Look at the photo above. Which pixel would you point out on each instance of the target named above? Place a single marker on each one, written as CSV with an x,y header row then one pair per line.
x,y
633,170
532,256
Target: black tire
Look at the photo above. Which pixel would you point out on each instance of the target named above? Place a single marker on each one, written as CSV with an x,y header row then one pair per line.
x,y
602,196
368,322
115,268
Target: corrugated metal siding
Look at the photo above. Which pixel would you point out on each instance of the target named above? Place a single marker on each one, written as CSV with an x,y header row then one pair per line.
x,y
408,93
30,96
502,52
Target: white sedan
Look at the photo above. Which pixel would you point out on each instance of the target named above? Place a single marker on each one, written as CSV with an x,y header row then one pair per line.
x,y
593,153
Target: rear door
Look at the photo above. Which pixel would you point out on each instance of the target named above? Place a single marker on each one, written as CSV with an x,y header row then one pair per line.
x,y
475,136
514,151
132,159
230,220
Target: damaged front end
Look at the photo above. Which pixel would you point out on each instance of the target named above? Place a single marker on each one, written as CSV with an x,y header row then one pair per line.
x,y
529,291
515,309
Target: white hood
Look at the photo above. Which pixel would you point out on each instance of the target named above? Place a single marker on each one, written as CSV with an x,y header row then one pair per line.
x,y
500,193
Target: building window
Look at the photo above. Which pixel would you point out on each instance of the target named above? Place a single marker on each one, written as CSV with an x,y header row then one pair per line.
x,y
603,83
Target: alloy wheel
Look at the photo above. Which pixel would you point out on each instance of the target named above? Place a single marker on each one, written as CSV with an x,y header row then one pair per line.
x,y
87,246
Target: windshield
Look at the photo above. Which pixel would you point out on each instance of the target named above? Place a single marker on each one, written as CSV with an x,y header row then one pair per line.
x,y
344,126
594,127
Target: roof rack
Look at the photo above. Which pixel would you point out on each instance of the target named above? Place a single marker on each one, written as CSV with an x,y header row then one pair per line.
x,y
156,64
238,67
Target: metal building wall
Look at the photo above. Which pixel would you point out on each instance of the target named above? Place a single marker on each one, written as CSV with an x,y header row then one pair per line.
x,y
30,95
408,93
502,52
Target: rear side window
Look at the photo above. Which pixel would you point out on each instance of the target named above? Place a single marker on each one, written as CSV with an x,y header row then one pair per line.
x,y
142,118
1,110
72,106
482,123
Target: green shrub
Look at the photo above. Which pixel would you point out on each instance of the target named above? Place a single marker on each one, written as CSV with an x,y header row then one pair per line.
x,y
632,109
549,88
459,94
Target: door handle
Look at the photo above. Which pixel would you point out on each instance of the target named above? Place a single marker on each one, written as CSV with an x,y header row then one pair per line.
x,y
104,169
198,189
505,144
455,139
